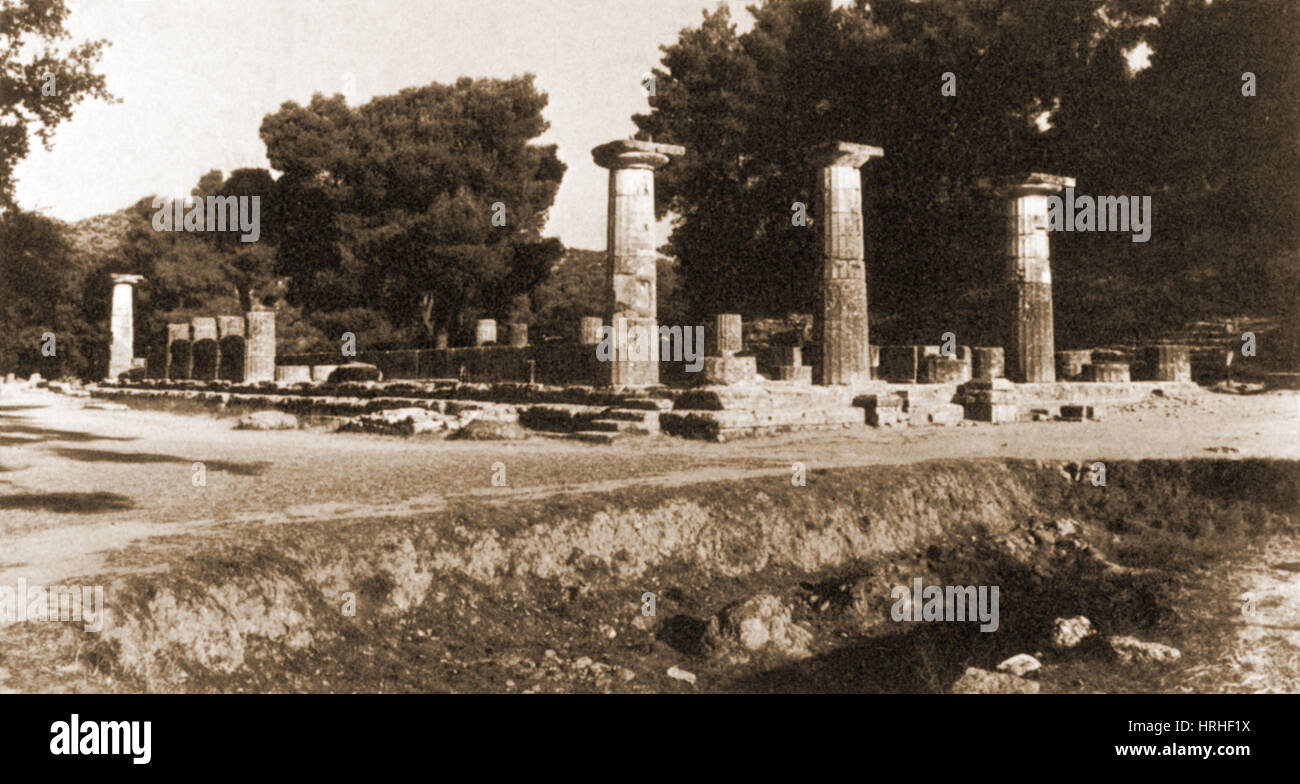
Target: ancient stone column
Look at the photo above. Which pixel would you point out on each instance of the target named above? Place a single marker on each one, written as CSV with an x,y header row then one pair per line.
x,y
259,347
589,331
987,362
631,256
722,366
1070,364
122,350
1031,353
1166,363
842,318
485,331
517,334
726,334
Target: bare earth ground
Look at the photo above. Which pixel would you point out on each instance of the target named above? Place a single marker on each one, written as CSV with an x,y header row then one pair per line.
x,y
78,485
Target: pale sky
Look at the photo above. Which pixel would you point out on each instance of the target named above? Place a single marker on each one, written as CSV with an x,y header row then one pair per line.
x,y
197,76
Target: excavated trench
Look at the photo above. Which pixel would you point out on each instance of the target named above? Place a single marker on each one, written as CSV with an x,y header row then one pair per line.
x,y
757,585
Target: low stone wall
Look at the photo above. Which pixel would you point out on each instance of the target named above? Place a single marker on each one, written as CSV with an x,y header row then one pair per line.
x,y
400,390
1002,401
544,363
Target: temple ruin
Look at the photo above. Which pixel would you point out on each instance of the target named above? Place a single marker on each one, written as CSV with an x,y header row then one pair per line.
x,y
849,382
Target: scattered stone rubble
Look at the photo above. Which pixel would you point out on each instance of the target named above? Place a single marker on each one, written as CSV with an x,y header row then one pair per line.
x,y
760,623
267,420
977,681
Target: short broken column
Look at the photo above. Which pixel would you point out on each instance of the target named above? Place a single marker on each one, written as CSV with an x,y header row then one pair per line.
x,y
259,347
1031,350
724,367
631,273
727,335
122,348
1166,363
987,362
485,332
517,334
589,331
1070,364
842,317
945,370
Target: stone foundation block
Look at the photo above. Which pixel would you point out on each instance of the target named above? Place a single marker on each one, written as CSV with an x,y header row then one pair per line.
x,y
292,374
729,370
1107,372
944,370
991,412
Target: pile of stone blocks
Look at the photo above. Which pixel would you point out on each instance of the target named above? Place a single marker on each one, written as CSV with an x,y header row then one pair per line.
x,y
885,409
720,413
989,400
912,406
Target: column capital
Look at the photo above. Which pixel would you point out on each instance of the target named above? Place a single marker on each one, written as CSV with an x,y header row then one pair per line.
x,y
845,154
634,154
121,277
1029,184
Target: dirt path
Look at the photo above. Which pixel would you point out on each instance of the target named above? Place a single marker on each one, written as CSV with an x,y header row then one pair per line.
x,y
1258,595
77,484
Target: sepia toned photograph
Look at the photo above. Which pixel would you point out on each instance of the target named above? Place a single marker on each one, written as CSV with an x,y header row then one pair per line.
x,y
650,346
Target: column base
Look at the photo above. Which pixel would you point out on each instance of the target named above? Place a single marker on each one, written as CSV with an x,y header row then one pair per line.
x,y
729,369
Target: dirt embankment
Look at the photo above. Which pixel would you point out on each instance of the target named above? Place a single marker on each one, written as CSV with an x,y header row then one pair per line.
x,y
757,584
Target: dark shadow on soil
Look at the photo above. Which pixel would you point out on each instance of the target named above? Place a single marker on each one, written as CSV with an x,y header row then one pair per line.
x,y
48,434
256,468
68,503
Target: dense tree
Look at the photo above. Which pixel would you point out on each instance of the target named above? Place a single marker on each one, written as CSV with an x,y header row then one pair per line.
x,y
1040,85
416,211
46,279
39,83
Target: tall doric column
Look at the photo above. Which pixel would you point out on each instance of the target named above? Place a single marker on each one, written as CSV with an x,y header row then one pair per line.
x,y
630,263
1031,350
122,350
842,319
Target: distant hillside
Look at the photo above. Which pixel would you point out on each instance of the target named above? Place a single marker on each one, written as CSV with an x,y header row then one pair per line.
x,y
101,235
